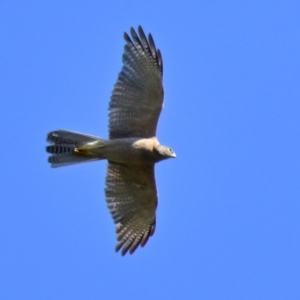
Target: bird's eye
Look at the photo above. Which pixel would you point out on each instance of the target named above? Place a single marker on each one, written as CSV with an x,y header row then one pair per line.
x,y
171,151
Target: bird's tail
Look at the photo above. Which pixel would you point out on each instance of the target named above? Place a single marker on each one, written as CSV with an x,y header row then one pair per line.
x,y
69,147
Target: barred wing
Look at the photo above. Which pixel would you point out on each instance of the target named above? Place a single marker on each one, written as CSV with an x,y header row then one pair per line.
x,y
132,199
137,97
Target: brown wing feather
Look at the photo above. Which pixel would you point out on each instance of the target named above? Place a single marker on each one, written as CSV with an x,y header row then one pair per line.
x,y
137,97
132,199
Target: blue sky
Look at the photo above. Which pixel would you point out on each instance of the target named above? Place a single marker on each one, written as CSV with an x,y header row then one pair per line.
x,y
228,215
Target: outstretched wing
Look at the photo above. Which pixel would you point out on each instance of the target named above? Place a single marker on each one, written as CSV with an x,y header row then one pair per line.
x,y
137,97
132,199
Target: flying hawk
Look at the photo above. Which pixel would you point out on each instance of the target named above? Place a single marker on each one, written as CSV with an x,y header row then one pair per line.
x,y
132,148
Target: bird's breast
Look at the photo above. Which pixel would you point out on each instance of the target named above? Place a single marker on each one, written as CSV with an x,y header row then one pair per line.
x,y
130,150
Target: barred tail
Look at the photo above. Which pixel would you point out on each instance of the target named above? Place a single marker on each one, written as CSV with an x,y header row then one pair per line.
x,y
69,147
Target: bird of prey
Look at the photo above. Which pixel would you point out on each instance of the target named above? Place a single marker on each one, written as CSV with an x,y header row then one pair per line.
x,y
132,148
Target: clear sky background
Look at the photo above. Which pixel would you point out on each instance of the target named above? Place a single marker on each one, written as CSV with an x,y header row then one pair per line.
x,y
228,219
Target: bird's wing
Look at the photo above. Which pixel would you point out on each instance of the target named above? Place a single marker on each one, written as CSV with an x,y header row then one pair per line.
x,y
132,199
137,97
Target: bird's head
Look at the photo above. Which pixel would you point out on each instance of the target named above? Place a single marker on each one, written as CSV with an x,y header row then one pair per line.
x,y
164,152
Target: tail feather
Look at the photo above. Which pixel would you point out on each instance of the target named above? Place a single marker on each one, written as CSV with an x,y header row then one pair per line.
x,y
62,136
60,148
66,145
